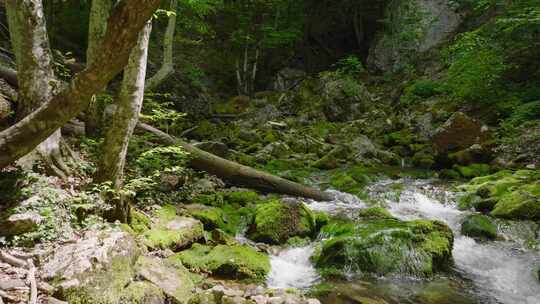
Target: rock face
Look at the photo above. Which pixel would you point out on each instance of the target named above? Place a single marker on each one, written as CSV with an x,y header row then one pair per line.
x,y
174,281
415,26
275,222
172,231
233,261
17,224
97,267
386,246
459,132
479,226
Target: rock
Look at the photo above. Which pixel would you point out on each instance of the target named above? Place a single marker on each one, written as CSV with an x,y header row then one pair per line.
x,y
277,150
333,159
521,203
21,223
143,292
211,217
417,27
275,222
287,79
232,262
479,226
172,231
217,148
485,205
374,213
474,170
174,281
343,98
386,246
241,197
460,132
96,268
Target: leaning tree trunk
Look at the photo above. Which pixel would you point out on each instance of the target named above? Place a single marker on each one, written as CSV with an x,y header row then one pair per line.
x,y
167,66
124,121
36,79
97,27
236,173
125,23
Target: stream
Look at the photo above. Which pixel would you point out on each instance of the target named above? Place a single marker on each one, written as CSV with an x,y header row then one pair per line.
x,y
498,272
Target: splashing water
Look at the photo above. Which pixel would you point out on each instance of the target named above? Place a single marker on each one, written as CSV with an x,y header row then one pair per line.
x,y
292,268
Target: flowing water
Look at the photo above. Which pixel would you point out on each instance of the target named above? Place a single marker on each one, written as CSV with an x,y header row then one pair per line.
x,y
501,271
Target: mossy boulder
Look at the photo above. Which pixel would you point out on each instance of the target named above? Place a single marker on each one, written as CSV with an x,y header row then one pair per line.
x,y
277,221
232,262
172,278
333,159
172,231
139,222
386,246
142,292
374,213
211,217
474,170
479,226
213,199
241,197
522,203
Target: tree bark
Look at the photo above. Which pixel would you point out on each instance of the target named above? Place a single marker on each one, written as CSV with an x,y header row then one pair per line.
x,y
167,66
36,78
97,27
236,173
124,120
124,25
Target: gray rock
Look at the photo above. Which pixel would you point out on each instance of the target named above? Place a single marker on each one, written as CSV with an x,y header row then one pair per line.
x,y
175,282
17,224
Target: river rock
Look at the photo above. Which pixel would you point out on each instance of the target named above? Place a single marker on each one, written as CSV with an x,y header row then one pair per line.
x,y
460,132
276,221
479,226
173,280
98,266
386,246
171,231
21,223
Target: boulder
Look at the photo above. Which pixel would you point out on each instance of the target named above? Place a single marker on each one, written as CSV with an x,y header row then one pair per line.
x,y
460,132
521,203
417,26
173,280
211,217
343,98
171,231
94,269
20,223
479,226
287,79
276,221
232,262
385,246
143,292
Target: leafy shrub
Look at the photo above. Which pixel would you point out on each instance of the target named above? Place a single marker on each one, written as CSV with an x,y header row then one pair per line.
x,y
423,88
526,112
161,158
350,65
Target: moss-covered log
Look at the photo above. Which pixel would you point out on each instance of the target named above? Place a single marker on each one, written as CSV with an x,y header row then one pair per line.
x,y
236,173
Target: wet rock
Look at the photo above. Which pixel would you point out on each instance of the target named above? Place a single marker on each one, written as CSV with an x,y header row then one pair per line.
x,y
386,246
173,280
460,132
374,213
17,224
233,262
276,221
522,203
171,231
97,267
479,226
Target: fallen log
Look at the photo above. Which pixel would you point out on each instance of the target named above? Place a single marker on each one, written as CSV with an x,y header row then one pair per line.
x,y
236,173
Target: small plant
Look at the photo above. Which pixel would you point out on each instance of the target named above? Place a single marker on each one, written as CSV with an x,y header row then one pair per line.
x,y
350,65
161,158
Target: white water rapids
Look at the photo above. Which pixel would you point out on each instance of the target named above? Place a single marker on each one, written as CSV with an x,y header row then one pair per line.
x,y
499,270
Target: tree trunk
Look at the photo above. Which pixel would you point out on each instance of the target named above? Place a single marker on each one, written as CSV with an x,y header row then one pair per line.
x,y
97,27
36,78
167,66
236,173
127,20
124,121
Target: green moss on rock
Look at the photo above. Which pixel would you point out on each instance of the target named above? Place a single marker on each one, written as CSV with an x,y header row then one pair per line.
x,y
241,197
522,203
474,170
233,262
386,246
374,213
211,217
275,222
479,226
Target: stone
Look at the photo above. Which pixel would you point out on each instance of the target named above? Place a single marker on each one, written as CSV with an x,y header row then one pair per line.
x,y
479,226
143,292
460,132
174,281
95,268
343,98
20,223
171,231
211,217
276,221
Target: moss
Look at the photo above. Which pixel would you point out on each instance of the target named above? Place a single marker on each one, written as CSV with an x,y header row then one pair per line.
x,y
386,246
321,219
241,197
236,218
139,221
479,226
374,213
275,222
474,170
297,241
211,217
142,292
333,159
234,262
214,199
523,203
